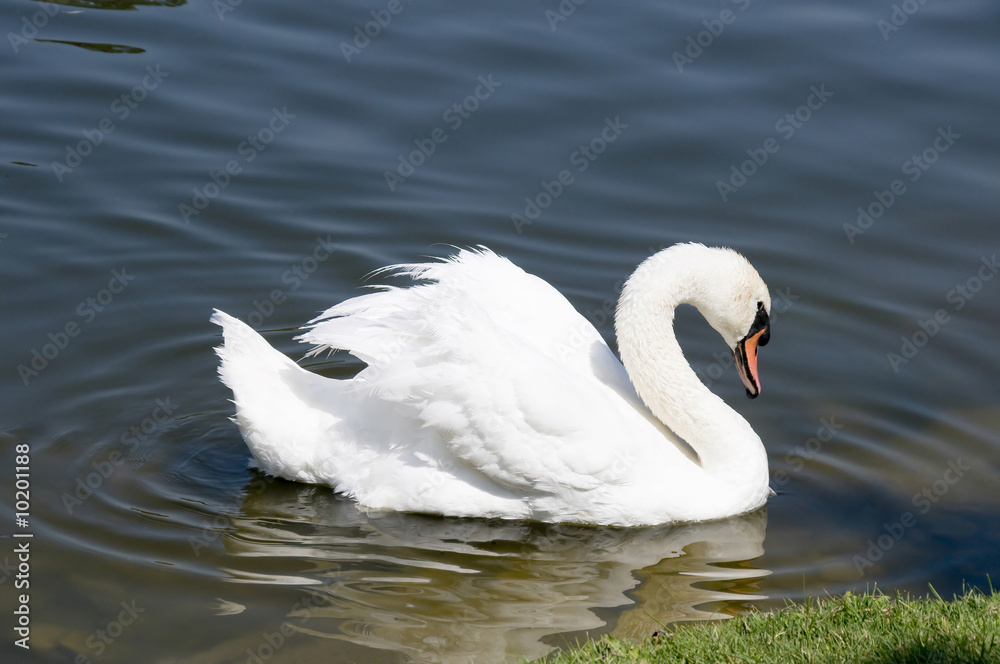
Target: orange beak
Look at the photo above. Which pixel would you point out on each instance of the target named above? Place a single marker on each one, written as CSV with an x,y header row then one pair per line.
x,y
745,353
746,363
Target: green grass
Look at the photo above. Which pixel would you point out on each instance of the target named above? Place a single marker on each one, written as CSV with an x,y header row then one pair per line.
x,y
870,629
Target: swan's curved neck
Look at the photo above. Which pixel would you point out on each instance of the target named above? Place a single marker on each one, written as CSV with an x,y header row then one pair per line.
x,y
726,445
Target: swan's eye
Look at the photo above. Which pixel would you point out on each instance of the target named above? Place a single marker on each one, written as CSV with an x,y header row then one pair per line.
x,y
761,323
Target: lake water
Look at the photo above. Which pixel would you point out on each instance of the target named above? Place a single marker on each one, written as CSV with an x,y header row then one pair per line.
x,y
164,158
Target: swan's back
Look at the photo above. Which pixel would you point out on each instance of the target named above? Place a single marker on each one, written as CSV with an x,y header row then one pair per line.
x,y
486,394
463,301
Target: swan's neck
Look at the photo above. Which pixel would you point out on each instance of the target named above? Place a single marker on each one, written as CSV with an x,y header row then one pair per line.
x,y
726,445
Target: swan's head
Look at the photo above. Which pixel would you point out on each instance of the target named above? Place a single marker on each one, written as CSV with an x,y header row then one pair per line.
x,y
723,286
736,303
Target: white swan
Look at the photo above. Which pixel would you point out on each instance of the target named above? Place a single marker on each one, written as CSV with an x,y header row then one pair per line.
x,y
487,394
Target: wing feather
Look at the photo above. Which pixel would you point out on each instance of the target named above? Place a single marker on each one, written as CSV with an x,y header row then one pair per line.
x,y
489,361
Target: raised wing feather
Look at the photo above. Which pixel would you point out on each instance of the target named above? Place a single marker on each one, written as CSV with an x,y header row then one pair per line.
x,y
492,362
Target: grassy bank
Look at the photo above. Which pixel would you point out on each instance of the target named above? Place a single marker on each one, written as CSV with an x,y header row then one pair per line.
x,y
870,628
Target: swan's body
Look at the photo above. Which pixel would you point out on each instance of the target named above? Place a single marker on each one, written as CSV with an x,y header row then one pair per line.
x,y
487,394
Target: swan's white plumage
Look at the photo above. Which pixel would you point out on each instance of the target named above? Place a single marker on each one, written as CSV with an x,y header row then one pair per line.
x,y
486,394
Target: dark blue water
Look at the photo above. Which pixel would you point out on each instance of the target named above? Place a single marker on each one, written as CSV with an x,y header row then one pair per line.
x,y
162,159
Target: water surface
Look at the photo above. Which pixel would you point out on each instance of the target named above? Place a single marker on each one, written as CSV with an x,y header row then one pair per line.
x,y
165,158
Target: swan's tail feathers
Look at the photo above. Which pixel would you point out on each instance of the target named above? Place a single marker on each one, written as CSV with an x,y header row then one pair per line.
x,y
283,411
245,354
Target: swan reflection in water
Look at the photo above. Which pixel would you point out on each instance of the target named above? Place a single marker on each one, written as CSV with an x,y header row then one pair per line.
x,y
446,590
